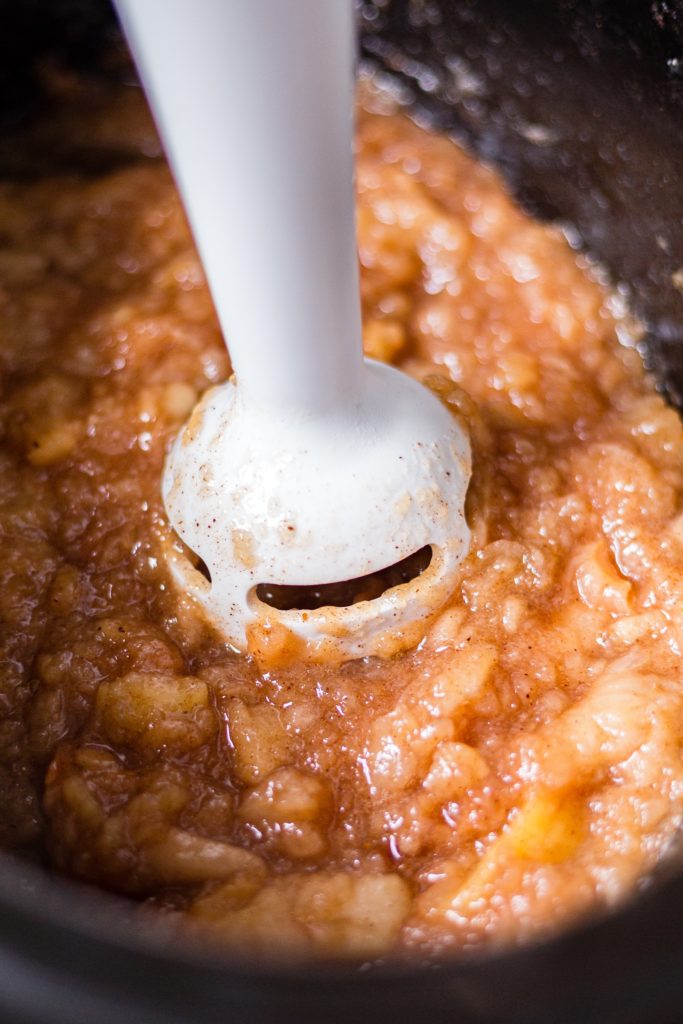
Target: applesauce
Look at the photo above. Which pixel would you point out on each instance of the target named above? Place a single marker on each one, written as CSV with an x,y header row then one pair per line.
x,y
521,766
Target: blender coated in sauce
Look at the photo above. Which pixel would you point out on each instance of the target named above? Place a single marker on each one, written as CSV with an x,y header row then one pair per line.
x,y
520,767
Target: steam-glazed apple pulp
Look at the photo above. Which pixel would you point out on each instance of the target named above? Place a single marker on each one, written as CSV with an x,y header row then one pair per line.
x,y
521,766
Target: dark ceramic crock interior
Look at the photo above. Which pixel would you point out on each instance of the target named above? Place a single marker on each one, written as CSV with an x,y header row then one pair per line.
x,y
580,103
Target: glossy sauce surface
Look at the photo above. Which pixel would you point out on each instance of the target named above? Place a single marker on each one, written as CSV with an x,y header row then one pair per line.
x,y
522,765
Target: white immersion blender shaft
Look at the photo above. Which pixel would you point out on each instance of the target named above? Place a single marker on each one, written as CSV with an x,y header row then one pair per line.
x,y
254,101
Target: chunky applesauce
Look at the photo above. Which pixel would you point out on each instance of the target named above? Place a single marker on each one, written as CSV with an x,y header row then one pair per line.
x,y
521,766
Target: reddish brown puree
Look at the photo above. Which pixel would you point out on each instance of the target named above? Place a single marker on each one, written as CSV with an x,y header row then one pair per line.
x,y
521,766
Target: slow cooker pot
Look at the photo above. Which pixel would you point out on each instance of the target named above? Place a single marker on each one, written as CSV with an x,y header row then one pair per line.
x,y
580,104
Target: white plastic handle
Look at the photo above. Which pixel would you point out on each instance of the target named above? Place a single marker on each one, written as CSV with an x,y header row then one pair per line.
x,y
254,101
316,466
